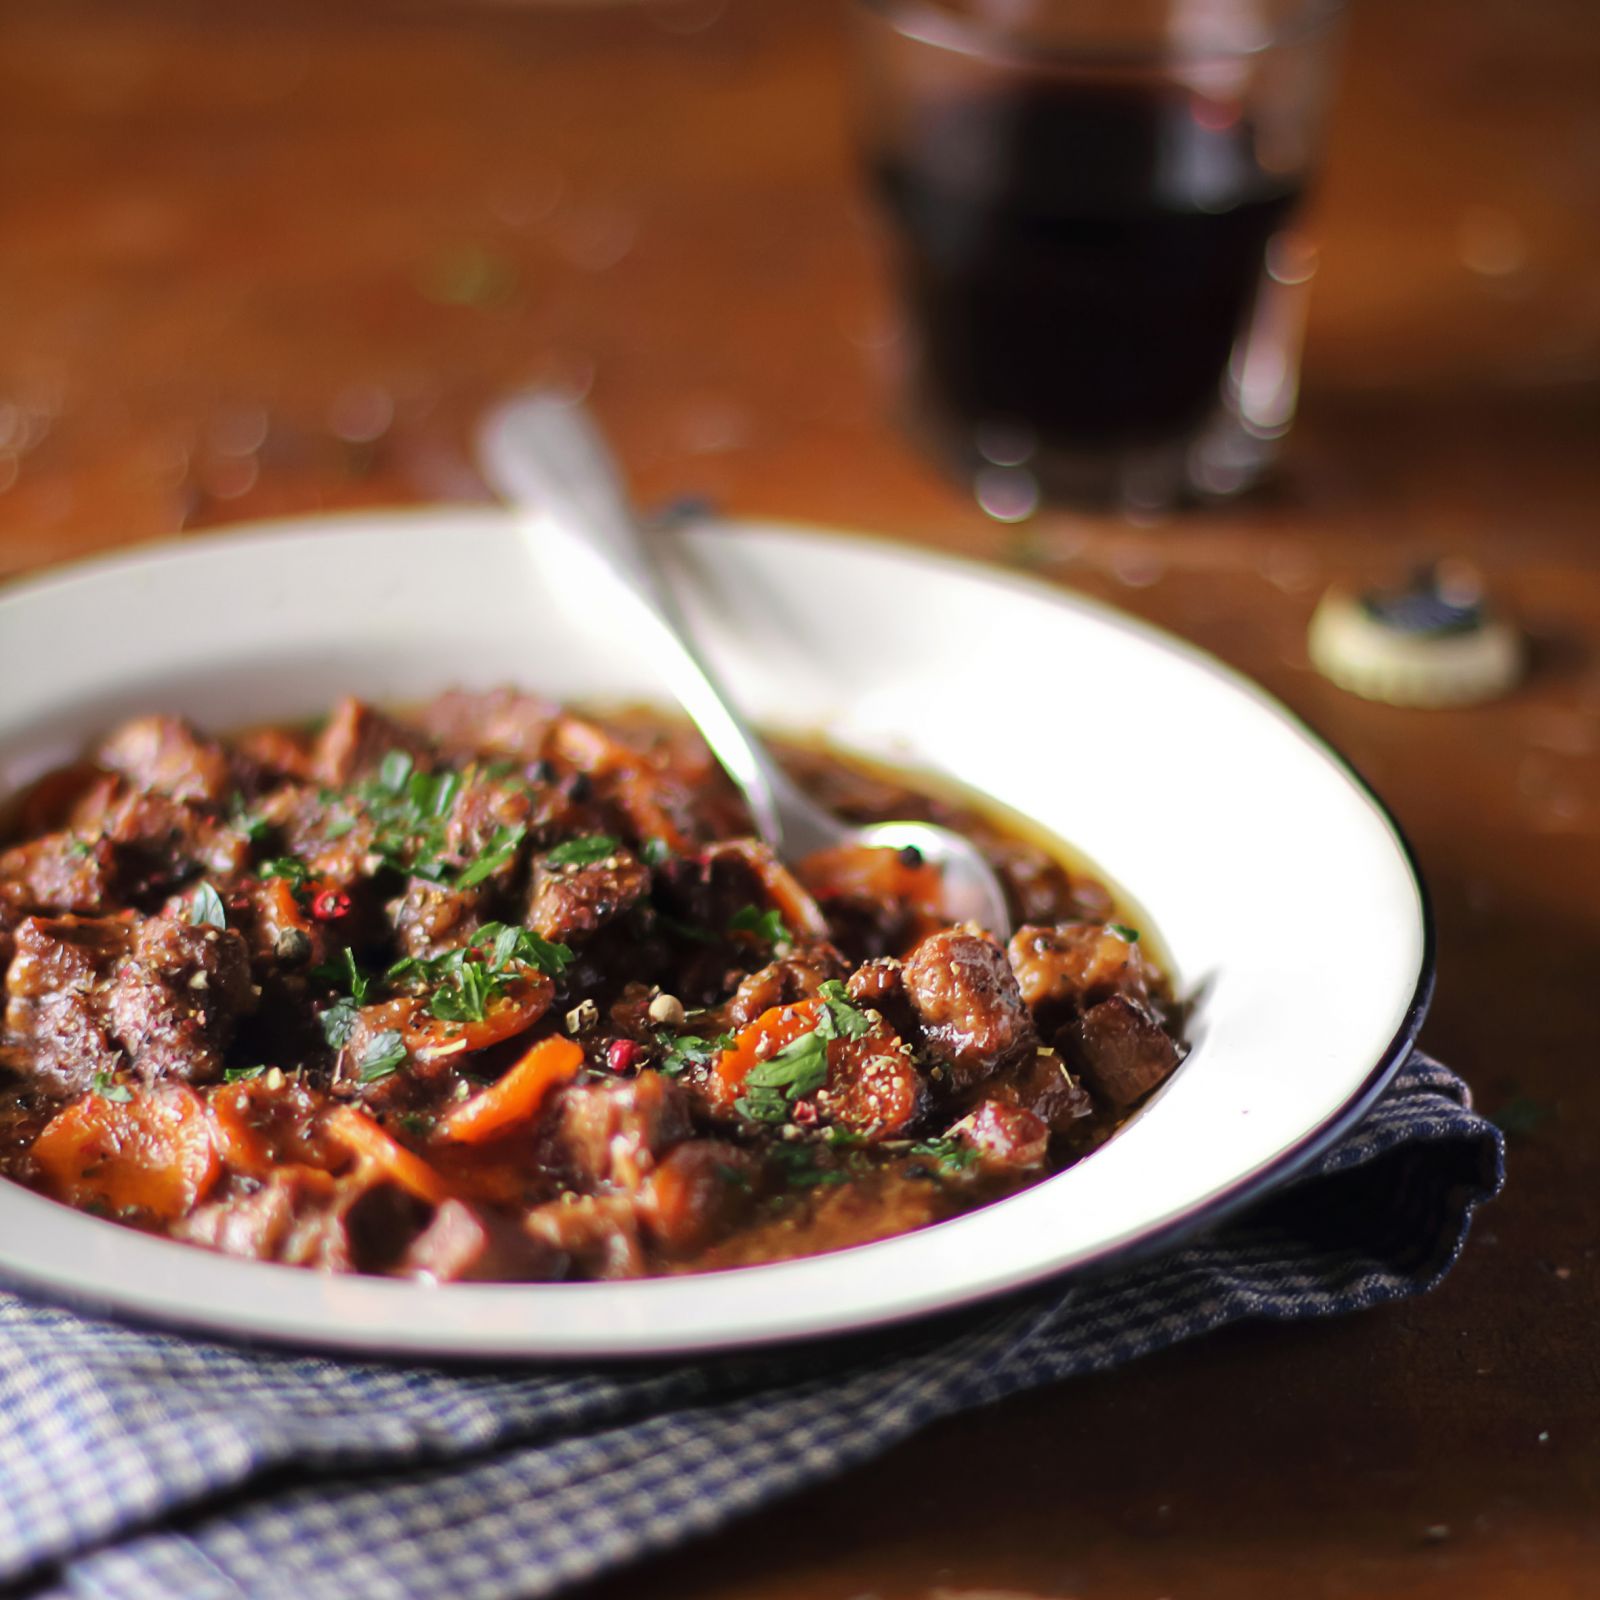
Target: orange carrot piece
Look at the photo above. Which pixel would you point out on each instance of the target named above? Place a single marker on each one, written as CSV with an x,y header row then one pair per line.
x,y
153,1153
384,1156
761,1040
517,1096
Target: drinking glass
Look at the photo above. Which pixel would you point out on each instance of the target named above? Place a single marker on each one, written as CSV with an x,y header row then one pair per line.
x,y
1093,215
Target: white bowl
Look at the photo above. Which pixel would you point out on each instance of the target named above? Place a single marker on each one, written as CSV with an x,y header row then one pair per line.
x,y
1281,888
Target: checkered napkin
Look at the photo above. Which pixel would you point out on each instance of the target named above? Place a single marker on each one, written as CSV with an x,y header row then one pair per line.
x,y
140,1466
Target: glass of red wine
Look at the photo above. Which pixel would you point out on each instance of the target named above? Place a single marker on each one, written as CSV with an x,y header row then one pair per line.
x,y
1092,208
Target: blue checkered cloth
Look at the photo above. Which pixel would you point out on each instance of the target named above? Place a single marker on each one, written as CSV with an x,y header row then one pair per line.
x,y
139,1466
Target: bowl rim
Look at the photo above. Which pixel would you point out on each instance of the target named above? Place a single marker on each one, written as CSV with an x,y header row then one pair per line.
x,y
1156,1239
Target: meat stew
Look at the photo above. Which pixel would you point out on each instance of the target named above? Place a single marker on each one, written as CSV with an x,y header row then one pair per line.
x,y
493,990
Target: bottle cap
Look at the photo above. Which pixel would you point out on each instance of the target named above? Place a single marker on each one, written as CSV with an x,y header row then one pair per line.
x,y
1434,642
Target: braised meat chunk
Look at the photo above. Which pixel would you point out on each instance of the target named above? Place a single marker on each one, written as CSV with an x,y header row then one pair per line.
x,y
491,991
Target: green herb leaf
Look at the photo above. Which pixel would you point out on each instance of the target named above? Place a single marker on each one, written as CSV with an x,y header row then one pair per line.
x,y
384,1053
952,1154
394,771
689,1050
81,848
654,852
500,849
762,1105
466,995
342,970
797,1069
338,1022
583,851
1123,931
850,1020
290,868
768,926
107,1088
255,828
241,1074
205,908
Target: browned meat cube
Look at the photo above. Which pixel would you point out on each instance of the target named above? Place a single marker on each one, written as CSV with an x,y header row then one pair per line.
x,y
165,755
496,722
968,1006
157,842
1041,1084
782,982
174,1002
429,919
466,1243
298,1220
1067,968
612,1135
598,1232
571,902
56,989
1005,1135
1121,1050
698,1191
61,872
355,741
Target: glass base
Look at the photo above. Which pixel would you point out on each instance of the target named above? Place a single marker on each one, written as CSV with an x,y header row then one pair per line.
x,y
1013,475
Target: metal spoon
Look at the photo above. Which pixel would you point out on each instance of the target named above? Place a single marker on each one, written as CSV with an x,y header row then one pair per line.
x,y
544,455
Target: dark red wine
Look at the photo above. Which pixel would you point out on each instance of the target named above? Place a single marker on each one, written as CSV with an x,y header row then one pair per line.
x,y
1081,260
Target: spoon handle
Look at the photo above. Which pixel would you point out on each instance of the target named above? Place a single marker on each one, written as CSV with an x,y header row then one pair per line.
x,y
544,455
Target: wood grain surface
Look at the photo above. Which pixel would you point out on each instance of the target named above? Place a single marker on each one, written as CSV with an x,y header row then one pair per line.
x,y
272,257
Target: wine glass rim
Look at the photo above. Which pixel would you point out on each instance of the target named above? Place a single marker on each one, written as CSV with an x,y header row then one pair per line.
x,y
932,23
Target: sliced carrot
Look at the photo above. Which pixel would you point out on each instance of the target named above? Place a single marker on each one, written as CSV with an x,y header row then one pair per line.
x,y
759,1041
526,998
153,1153
385,1157
261,1131
517,1096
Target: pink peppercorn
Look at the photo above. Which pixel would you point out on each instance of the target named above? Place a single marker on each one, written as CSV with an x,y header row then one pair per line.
x,y
330,905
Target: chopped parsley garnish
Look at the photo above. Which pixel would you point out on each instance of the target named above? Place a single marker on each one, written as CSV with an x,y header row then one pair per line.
x,y
206,907
689,1050
465,995
583,851
80,848
255,828
467,980
654,852
951,1154
394,771
338,1021
499,850
850,1020
343,970
241,1074
408,810
291,869
773,1085
108,1088
768,926
1123,931
385,1053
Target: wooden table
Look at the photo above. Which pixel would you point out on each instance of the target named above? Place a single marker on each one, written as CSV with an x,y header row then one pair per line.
x,y
272,257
